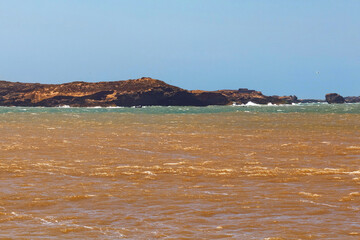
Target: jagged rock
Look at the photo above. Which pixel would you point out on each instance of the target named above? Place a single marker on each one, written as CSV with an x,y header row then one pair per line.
x,y
334,98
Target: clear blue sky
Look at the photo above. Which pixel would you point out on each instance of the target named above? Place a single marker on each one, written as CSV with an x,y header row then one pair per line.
x,y
305,47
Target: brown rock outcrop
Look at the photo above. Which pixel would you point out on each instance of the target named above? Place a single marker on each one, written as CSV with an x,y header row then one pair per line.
x,y
144,91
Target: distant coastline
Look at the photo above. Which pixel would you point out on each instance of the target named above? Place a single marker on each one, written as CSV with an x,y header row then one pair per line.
x,y
136,92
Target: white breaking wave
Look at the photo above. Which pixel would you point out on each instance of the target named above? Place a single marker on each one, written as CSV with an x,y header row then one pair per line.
x,y
252,104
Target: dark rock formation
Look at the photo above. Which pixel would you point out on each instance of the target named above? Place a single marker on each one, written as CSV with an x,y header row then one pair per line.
x,y
352,99
311,100
334,98
138,92
211,98
284,99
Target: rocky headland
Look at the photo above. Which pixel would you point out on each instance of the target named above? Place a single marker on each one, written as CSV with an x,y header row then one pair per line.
x,y
143,91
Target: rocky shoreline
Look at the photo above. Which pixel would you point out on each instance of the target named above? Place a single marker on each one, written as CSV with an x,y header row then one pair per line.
x,y
136,92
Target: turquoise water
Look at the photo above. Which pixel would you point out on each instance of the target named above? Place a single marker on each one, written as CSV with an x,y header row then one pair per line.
x,y
298,108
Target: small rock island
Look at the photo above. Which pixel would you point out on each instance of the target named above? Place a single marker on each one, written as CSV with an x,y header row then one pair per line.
x,y
136,92
334,98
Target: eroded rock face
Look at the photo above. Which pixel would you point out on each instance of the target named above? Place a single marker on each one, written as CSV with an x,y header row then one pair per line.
x,y
144,91
334,98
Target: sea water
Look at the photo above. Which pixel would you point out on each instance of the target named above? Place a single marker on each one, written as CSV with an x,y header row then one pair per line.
x,y
218,172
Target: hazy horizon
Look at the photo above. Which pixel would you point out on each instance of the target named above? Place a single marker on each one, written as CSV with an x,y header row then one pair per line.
x,y
302,48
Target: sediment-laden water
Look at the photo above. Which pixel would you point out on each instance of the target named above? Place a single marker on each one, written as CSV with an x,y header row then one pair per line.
x,y
241,172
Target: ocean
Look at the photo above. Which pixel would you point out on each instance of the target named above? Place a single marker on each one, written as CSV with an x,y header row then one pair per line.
x,y
217,172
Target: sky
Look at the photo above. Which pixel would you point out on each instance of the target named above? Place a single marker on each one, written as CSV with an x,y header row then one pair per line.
x,y
306,48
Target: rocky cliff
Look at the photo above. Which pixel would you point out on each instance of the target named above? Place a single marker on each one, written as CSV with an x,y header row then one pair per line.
x,y
144,91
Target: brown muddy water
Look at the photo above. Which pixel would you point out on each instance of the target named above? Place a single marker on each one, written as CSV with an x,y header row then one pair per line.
x,y
240,175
